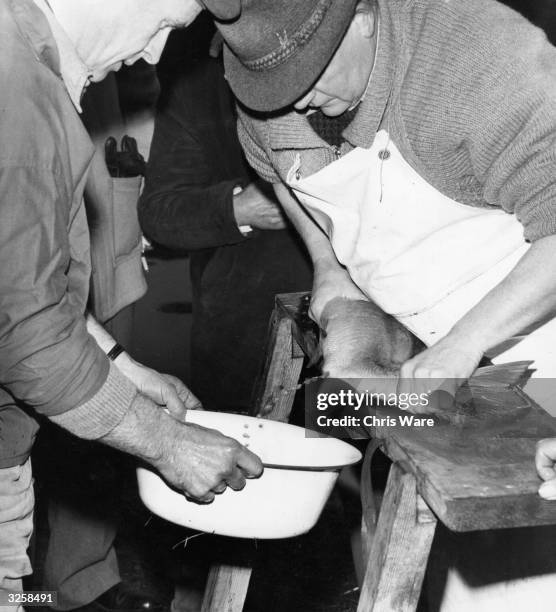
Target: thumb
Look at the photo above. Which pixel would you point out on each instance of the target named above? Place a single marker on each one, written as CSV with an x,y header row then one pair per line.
x,y
174,405
249,463
184,396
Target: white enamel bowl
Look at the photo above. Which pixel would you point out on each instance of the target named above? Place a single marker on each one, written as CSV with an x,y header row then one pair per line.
x,y
285,501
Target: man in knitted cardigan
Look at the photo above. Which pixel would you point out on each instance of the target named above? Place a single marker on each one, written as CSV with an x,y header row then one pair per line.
x,y
413,145
465,92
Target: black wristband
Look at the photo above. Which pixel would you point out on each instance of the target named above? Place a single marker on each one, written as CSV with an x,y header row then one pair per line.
x,y
116,350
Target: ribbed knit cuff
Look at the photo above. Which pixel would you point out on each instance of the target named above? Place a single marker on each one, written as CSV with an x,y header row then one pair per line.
x,y
544,224
99,415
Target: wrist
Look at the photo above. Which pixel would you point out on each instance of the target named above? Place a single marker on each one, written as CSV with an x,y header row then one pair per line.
x,y
124,363
466,341
141,432
115,351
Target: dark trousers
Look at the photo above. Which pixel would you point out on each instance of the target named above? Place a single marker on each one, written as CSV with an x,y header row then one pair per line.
x,y
233,297
83,483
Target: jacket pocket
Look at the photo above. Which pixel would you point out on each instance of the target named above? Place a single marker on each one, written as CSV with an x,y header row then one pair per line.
x,y
127,233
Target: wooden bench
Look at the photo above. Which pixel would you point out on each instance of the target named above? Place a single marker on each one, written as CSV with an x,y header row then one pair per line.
x,y
474,474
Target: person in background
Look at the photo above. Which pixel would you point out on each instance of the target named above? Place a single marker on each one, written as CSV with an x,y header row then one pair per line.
x,y
201,196
55,358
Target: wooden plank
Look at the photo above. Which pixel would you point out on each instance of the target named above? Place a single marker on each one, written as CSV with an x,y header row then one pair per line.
x,y
282,368
226,588
400,549
478,472
472,483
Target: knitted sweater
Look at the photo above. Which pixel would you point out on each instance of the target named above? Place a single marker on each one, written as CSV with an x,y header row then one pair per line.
x,y
467,91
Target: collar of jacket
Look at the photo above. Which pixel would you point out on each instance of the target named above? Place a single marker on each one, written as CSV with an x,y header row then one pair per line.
x,y
51,45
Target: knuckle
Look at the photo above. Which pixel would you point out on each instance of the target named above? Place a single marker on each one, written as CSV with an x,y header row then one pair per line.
x,y
227,461
233,446
226,473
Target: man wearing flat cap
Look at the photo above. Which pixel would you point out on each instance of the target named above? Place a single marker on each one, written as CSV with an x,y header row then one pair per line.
x,y
55,359
413,145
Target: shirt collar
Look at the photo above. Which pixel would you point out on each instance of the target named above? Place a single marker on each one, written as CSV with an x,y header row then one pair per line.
x,y
74,72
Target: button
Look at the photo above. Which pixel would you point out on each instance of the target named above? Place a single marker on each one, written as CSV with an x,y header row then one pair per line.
x,y
384,154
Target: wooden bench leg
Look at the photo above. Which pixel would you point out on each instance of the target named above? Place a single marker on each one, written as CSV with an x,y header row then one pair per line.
x,y
280,377
227,585
399,549
226,588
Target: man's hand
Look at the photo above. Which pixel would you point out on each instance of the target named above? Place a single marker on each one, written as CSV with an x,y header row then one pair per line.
x,y
164,389
203,462
252,206
545,459
526,296
200,462
442,368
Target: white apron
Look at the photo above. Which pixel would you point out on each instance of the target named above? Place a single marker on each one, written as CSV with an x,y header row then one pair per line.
x,y
427,260
421,256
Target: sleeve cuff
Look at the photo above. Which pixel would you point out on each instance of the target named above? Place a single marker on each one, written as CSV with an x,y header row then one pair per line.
x,y
540,228
101,413
231,233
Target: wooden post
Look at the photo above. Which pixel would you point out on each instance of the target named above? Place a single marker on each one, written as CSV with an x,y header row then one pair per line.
x,y
284,360
227,585
226,588
400,548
